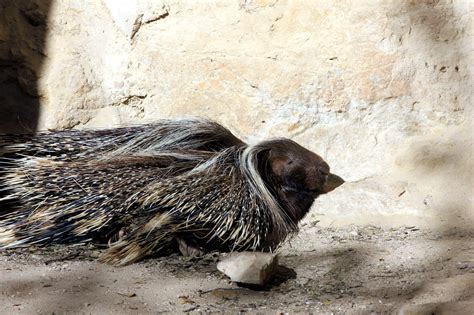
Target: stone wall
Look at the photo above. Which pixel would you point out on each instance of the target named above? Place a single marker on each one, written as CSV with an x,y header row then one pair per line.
x,y
380,89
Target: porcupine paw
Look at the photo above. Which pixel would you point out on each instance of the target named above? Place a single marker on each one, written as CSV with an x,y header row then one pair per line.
x,y
119,235
188,250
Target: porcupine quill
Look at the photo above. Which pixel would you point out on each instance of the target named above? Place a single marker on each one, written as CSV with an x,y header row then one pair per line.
x,y
187,185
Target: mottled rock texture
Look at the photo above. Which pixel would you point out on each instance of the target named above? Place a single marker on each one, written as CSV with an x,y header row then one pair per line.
x,y
381,89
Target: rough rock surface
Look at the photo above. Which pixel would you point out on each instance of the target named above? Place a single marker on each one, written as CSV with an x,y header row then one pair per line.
x,y
381,89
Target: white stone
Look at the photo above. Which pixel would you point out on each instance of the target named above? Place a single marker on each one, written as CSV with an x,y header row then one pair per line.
x,y
249,267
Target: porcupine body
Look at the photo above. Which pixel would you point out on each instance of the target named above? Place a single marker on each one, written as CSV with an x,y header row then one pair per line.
x,y
169,183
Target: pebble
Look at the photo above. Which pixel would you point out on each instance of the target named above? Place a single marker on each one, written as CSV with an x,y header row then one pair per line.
x,y
249,267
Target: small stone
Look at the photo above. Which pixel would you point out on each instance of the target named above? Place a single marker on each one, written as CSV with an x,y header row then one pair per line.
x,y
226,294
95,254
249,267
464,265
184,299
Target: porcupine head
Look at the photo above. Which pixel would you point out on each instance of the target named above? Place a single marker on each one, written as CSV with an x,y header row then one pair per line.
x,y
298,176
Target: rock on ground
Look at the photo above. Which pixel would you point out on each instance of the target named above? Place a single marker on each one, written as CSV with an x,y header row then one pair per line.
x,y
249,267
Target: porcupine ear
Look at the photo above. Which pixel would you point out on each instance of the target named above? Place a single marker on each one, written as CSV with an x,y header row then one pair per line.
x,y
263,165
266,168
271,165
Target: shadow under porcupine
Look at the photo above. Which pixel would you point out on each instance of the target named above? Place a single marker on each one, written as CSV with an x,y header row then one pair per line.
x,y
153,189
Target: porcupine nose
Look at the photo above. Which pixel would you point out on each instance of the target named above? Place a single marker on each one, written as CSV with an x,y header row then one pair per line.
x,y
331,181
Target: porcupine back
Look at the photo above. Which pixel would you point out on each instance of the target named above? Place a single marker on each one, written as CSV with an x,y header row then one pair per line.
x,y
68,175
162,136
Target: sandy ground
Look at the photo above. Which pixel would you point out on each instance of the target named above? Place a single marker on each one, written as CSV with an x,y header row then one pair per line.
x,y
349,270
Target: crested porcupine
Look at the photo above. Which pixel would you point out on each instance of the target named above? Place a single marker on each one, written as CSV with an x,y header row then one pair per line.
x,y
174,184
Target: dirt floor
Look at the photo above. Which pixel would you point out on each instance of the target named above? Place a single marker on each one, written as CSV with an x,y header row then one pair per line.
x,y
350,270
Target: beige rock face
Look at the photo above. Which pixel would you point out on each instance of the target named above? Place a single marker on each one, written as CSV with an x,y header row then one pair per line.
x,y
380,89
